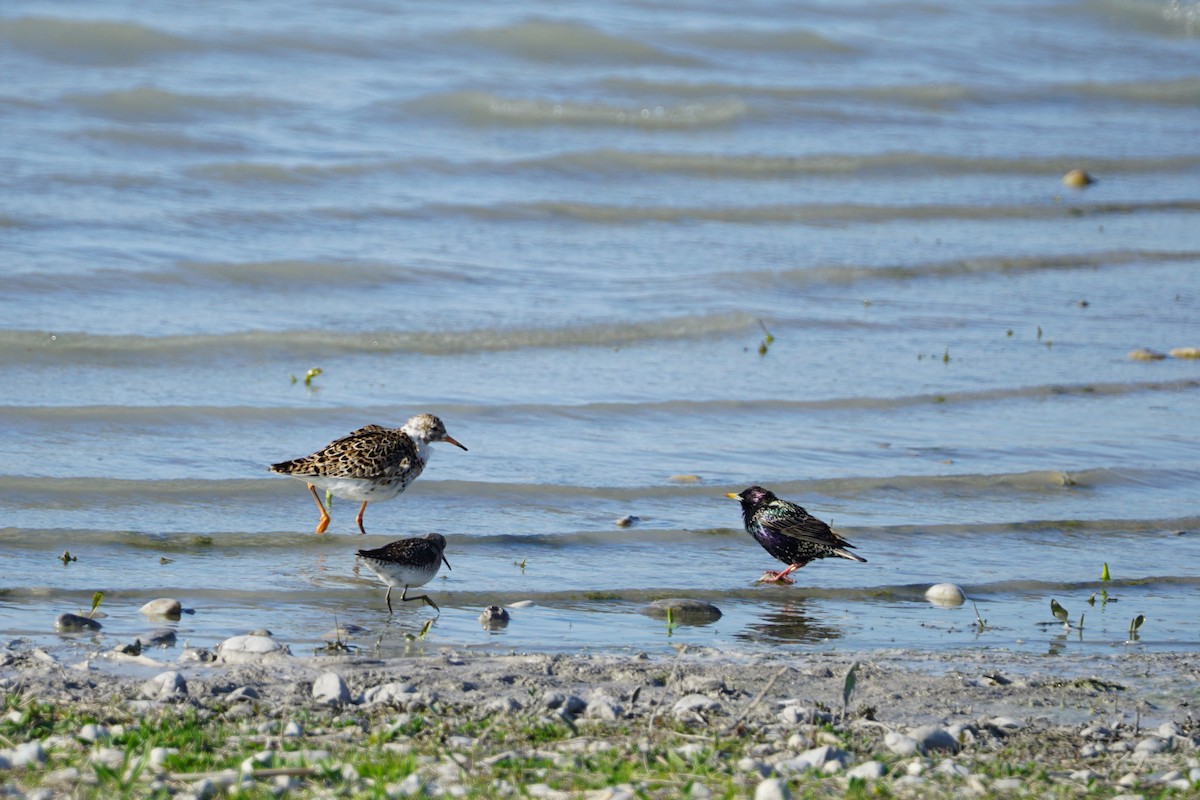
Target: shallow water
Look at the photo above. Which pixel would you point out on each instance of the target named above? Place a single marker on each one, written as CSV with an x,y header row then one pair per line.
x,y
570,233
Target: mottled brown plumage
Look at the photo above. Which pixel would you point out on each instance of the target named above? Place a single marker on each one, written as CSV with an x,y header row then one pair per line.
x,y
371,464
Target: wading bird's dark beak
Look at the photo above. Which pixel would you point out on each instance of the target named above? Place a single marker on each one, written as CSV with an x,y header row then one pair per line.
x,y
456,443
447,562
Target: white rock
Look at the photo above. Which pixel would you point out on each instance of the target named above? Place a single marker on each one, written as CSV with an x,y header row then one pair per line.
x,y
900,744
747,764
392,694
159,755
1128,780
867,771
167,607
93,733
1168,730
792,766
604,708
820,756
330,689
503,705
772,789
1151,744
1007,785
408,787
251,647
695,704
908,782
165,686
293,729
945,595
27,754
1092,750
111,757
948,767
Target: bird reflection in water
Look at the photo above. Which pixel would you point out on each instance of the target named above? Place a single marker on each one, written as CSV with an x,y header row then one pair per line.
x,y
788,623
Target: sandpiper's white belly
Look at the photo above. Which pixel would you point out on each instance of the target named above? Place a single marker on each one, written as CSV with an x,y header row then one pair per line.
x,y
401,575
360,489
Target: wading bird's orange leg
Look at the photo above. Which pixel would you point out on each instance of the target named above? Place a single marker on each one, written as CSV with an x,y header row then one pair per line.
x,y
779,577
358,519
324,523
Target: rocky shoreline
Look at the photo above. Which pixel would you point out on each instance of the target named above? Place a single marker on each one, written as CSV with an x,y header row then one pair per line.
x,y
250,717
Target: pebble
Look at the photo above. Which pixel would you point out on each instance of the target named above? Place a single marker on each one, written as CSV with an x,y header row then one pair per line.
x,y
243,694
1146,354
1185,352
74,623
683,610
1006,723
931,738
604,708
747,764
330,689
293,730
494,618
1151,744
503,705
867,771
522,604
163,607
908,782
1007,785
159,755
1077,179
948,767
165,686
250,647
628,521
406,788
1092,750
772,789
945,595
820,756
27,754
691,704
900,744
159,637
392,694
93,733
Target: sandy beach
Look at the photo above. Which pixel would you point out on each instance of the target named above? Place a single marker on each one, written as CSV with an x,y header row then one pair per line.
x,y
449,723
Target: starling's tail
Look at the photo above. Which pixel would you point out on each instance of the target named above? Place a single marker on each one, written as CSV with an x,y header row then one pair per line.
x,y
847,554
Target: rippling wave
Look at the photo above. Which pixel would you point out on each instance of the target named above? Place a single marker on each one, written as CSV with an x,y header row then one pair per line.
x,y
97,42
487,108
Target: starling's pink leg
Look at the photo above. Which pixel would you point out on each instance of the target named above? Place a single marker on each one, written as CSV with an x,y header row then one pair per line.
x,y
779,577
324,523
358,519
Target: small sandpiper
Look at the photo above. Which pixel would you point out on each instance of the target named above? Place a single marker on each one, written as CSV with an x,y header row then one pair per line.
x,y
408,563
788,532
372,464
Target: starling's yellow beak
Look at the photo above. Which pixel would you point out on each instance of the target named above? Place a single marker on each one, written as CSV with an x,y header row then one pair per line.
x,y
733,496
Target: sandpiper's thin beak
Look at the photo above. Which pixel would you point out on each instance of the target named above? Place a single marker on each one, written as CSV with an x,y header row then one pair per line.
x,y
447,562
456,443
733,496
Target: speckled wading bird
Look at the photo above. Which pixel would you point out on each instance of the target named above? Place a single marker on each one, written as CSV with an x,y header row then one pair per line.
x,y
372,464
788,532
408,563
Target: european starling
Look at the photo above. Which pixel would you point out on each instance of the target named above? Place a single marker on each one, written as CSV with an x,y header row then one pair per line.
x,y
788,532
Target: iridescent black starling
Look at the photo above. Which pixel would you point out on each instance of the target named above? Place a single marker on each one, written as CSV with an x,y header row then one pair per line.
x,y
788,532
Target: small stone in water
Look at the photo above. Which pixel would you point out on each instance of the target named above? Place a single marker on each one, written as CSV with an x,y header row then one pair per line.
x,y
73,623
1077,179
628,521
163,607
1146,354
945,595
1185,352
683,610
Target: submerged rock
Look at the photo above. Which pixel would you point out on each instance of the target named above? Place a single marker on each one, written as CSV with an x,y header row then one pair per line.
x,y
683,610
1077,179
1146,354
74,623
